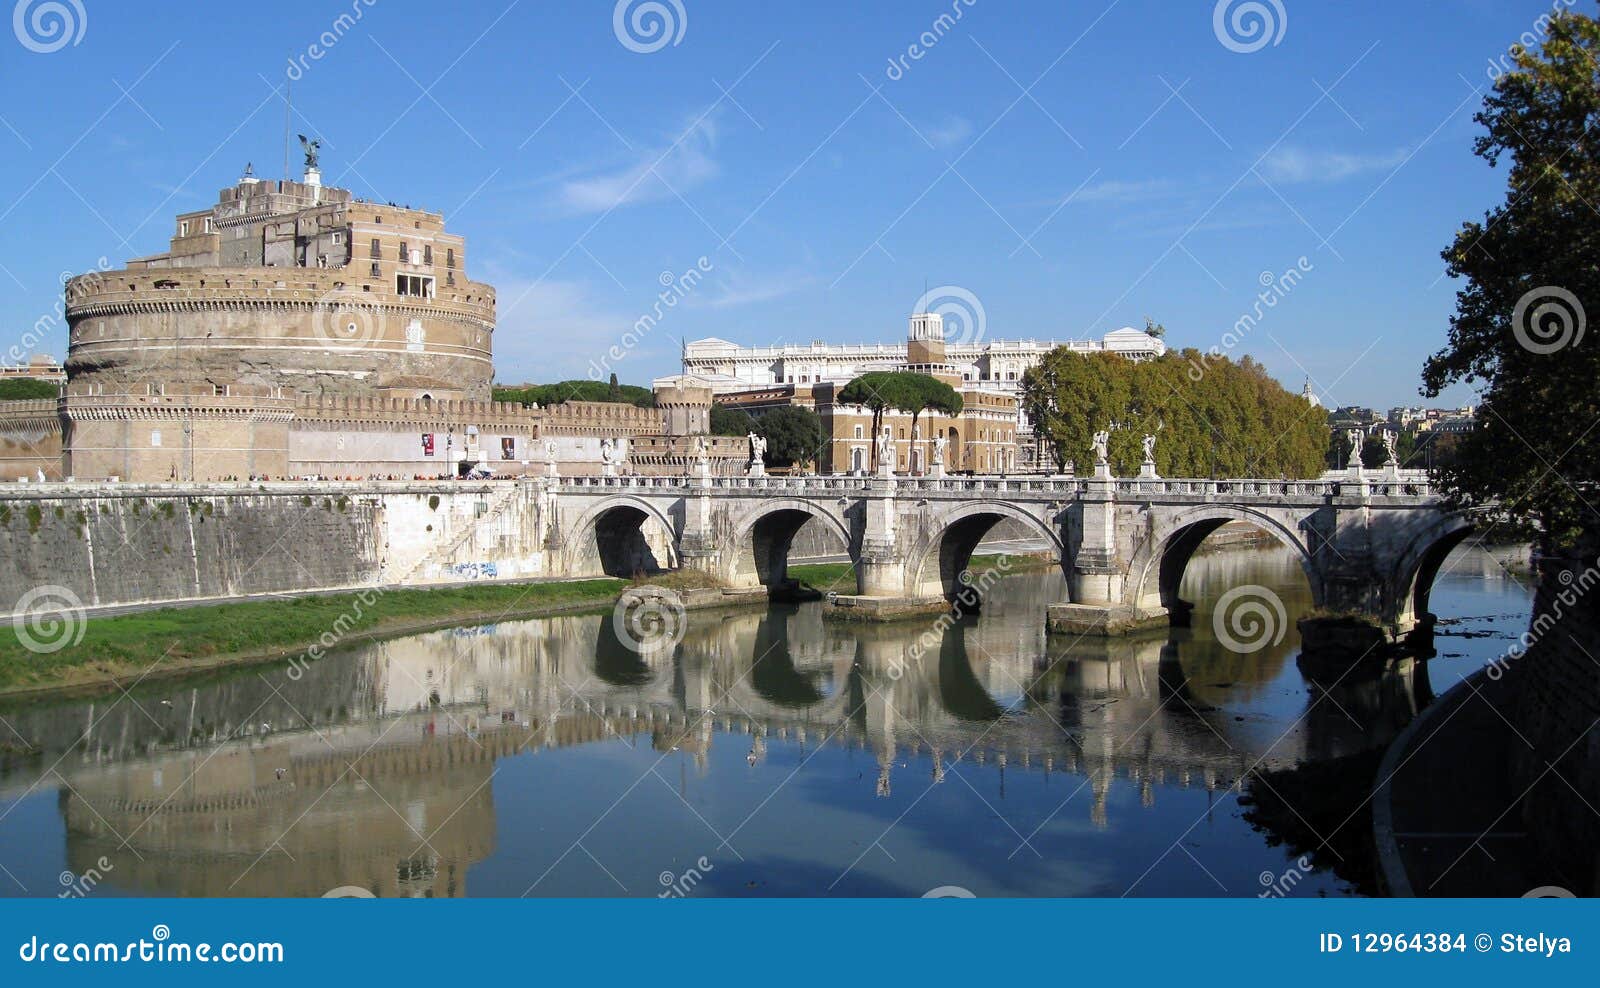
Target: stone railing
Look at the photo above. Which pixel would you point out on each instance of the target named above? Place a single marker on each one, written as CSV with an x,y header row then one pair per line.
x,y
1063,487
88,490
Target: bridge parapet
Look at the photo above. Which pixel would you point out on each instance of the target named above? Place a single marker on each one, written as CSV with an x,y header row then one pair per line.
x,y
1369,541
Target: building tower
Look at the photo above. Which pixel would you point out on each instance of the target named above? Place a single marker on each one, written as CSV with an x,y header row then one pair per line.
x,y
925,345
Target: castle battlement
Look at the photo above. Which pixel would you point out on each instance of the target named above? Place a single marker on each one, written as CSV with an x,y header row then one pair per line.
x,y
415,411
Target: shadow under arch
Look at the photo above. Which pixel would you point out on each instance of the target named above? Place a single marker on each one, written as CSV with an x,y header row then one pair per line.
x,y
1156,573
936,566
758,555
610,539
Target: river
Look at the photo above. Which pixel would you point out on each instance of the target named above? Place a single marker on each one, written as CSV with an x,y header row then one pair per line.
x,y
770,753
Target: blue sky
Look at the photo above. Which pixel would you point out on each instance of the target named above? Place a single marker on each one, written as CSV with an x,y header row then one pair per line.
x,y
1076,166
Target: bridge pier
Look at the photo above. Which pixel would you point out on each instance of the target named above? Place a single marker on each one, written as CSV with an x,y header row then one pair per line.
x,y
881,566
1098,581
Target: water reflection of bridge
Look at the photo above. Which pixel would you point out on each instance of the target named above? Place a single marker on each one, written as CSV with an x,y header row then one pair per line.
x,y
374,768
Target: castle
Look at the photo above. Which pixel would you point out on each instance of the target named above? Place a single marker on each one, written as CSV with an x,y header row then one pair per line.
x,y
293,329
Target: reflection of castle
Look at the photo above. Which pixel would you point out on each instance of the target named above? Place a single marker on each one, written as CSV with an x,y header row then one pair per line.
x,y
373,768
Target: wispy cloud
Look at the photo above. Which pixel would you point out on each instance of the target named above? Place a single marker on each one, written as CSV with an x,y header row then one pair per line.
x,y
1116,190
551,330
953,131
652,175
742,289
1290,165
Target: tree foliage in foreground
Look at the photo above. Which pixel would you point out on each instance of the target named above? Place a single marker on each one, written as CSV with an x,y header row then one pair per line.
x,y
1532,285
1211,417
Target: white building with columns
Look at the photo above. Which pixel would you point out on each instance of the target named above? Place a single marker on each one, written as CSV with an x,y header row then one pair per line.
x,y
991,364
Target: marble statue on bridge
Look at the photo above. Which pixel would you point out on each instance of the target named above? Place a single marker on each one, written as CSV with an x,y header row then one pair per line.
x,y
758,455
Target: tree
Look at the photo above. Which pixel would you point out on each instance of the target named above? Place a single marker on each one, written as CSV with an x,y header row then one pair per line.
x,y
727,421
920,393
1211,416
25,388
1373,453
793,434
903,391
1530,278
578,390
873,391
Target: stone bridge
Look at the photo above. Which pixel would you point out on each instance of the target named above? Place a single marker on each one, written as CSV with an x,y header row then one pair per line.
x,y
1370,542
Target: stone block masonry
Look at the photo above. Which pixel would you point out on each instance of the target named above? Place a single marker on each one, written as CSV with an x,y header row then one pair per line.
x,y
119,544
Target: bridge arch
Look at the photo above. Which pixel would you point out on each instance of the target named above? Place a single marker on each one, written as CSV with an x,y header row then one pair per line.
x,y
1411,578
935,565
758,553
609,538
1159,562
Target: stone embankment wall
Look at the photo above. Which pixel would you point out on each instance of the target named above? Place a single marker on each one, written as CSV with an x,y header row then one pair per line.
x,y
137,544
1558,712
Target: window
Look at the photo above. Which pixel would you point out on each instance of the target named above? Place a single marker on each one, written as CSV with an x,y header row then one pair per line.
x,y
338,237
209,227
450,278
376,271
858,432
183,228
427,253
377,248
417,285
405,253
449,257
